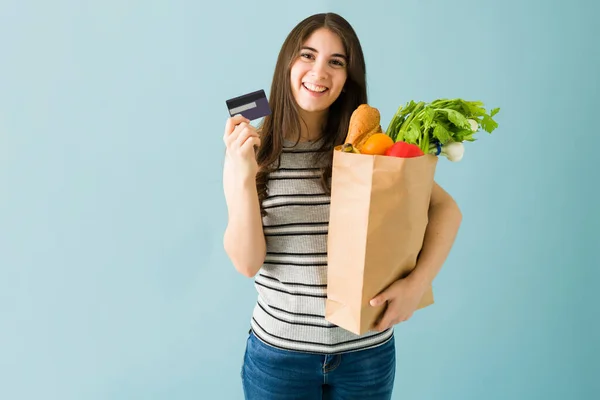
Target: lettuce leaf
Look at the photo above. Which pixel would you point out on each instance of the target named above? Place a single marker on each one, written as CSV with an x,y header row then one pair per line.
x,y
440,122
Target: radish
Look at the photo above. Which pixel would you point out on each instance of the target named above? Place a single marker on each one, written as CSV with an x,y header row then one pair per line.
x,y
474,125
453,151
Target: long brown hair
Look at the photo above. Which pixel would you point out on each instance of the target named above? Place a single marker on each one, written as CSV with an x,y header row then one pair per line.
x,y
285,117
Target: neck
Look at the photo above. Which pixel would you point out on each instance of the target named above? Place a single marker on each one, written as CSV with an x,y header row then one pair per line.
x,y
311,125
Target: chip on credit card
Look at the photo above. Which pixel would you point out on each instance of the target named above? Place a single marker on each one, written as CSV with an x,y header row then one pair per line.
x,y
252,105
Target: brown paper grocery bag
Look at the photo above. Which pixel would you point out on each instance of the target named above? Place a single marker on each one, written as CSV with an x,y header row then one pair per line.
x,y
378,216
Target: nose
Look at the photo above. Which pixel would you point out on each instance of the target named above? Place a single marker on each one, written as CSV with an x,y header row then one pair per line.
x,y
319,69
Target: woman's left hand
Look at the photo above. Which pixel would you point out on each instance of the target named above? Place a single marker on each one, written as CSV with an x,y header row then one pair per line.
x,y
403,297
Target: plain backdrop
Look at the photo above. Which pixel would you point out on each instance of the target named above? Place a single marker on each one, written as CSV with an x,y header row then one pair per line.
x,y
113,280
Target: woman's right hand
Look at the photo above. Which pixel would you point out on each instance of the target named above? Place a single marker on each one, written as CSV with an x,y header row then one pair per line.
x,y
240,138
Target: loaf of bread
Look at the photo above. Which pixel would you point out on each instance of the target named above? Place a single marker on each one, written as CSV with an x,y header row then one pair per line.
x,y
364,122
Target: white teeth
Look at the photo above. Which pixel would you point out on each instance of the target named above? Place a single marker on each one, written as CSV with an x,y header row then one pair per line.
x,y
315,88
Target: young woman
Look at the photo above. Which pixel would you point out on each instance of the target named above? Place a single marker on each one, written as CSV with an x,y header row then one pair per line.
x,y
278,198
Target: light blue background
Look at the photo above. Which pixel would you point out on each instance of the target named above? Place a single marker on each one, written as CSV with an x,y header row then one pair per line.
x,y
113,280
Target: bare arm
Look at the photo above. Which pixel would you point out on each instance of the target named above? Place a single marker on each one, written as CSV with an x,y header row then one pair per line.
x,y
444,220
244,240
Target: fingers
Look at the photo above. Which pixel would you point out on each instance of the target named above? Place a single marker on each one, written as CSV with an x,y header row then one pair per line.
x,y
233,126
240,134
250,143
388,322
378,300
383,320
390,318
232,122
384,323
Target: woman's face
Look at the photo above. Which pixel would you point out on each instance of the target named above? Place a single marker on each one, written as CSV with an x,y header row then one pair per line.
x,y
319,73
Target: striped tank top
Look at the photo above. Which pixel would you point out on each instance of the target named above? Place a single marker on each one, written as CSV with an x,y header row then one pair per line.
x,y
292,283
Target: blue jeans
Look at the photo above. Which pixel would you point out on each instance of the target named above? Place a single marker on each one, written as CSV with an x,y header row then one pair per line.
x,y
269,373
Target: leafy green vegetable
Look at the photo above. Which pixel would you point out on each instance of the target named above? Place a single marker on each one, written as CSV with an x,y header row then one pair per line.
x,y
440,122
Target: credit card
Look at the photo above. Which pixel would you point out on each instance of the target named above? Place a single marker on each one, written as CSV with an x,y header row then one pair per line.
x,y
252,105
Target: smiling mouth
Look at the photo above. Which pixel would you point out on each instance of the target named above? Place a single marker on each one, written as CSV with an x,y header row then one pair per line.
x,y
314,88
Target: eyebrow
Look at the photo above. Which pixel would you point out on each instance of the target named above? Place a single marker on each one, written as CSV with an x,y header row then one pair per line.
x,y
333,55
